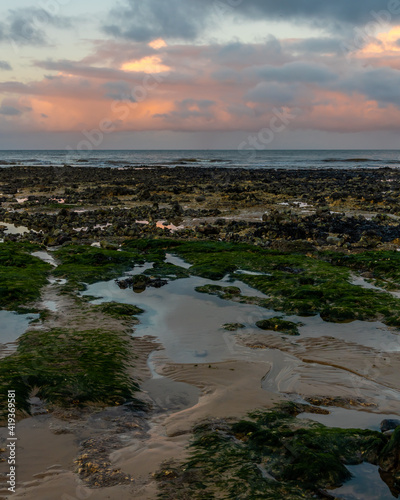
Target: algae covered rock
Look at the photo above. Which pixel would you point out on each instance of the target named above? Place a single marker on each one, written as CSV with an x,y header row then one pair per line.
x,y
277,324
232,327
117,310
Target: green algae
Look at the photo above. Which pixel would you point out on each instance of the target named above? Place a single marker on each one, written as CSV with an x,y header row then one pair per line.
x,y
118,310
21,275
167,270
299,284
68,367
84,264
385,265
233,327
277,324
271,455
224,292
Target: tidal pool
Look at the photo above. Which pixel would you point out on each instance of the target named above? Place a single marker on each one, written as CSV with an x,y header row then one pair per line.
x,y
186,322
46,257
13,229
366,333
366,484
349,419
13,325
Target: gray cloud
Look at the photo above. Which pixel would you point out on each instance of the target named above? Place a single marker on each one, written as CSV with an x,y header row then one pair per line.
x,y
273,92
187,19
4,65
9,110
26,26
353,12
118,91
381,85
298,71
145,21
323,45
189,108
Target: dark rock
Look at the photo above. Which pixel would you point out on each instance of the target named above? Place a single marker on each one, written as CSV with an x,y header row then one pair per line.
x,y
389,424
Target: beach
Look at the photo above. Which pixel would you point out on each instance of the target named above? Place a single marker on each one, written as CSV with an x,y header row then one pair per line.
x,y
217,292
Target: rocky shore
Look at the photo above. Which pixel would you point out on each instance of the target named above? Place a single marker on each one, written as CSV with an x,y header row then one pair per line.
x,y
305,255
355,209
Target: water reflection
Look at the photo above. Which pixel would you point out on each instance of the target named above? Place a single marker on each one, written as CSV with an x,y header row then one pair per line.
x,y
366,484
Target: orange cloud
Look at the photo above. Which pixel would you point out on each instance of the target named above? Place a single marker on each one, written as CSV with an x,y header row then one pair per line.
x,y
150,65
157,44
385,44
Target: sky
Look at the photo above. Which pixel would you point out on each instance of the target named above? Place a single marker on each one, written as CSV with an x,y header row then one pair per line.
x,y
199,74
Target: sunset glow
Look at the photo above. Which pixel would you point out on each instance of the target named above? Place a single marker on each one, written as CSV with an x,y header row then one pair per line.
x,y
178,73
151,64
385,43
157,44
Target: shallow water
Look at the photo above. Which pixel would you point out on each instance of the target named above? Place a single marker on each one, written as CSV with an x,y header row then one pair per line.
x,y
367,333
349,419
360,281
13,229
366,484
13,325
186,322
51,305
46,257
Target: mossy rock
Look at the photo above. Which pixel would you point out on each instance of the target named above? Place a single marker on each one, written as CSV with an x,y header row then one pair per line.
x,y
277,324
167,270
69,367
118,310
338,314
233,327
224,292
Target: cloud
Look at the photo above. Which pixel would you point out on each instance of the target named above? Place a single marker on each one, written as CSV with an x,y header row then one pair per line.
x,y
317,45
297,71
9,110
13,107
352,12
188,19
153,19
118,91
5,66
192,109
215,87
273,92
381,85
26,26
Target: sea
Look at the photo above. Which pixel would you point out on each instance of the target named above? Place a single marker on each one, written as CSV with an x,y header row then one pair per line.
x,y
288,159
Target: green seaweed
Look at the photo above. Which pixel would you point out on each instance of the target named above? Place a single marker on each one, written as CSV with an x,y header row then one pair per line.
x,y
296,283
21,275
277,324
224,292
167,270
69,367
299,458
85,264
118,310
233,327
